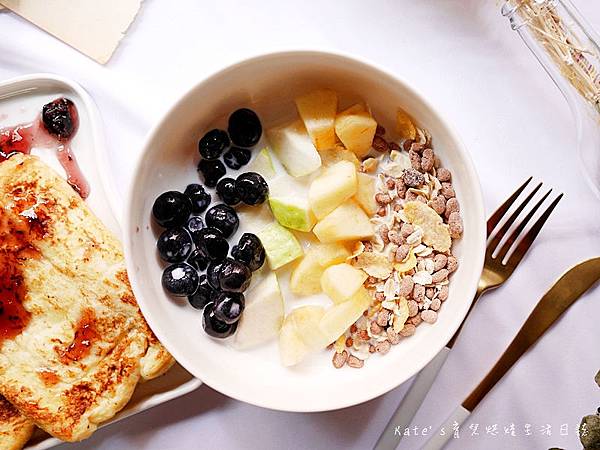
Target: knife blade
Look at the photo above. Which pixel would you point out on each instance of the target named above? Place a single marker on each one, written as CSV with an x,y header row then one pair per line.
x,y
563,293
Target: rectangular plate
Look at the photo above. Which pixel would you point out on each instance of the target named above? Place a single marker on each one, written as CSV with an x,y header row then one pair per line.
x,y
21,99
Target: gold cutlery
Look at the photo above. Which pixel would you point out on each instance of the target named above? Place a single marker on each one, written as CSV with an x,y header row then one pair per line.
x,y
565,291
495,272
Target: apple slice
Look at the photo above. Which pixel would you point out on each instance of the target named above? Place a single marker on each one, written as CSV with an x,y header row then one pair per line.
x,y
295,150
365,193
338,318
254,218
339,153
306,276
292,349
301,334
281,246
347,222
288,198
356,128
263,314
334,186
317,110
262,164
341,281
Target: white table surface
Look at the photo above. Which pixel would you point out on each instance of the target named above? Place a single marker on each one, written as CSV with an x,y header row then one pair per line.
x,y
463,56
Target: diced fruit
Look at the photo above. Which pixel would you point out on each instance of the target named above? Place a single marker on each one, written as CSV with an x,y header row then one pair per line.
x,y
294,148
213,144
280,245
365,194
340,282
292,349
356,128
250,251
337,154
306,276
317,110
305,320
338,318
404,125
263,314
334,186
347,222
215,327
244,127
223,218
263,164
292,212
252,188
255,218
171,208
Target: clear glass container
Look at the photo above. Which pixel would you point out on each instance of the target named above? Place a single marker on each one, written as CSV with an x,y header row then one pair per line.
x,y
568,49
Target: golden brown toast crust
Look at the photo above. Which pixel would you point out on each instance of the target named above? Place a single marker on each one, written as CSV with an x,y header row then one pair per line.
x,y
15,429
81,345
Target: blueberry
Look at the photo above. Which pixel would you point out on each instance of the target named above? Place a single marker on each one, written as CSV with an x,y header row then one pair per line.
x,y
226,191
237,157
212,171
249,251
213,144
194,225
211,244
223,218
174,244
215,327
197,260
60,118
252,188
234,276
171,209
203,295
229,307
213,272
244,127
199,197
180,279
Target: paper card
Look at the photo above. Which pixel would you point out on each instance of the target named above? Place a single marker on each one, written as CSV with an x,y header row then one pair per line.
x,y
93,27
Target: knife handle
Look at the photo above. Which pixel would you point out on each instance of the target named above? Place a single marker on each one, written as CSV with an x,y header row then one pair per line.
x,y
410,404
439,440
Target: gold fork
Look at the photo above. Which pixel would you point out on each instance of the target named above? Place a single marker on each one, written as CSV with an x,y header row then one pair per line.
x,y
496,270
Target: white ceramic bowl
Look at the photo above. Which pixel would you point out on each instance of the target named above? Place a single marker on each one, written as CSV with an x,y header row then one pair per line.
x,y
268,85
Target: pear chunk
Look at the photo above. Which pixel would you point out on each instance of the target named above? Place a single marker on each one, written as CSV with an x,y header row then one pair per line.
x,y
306,276
365,194
301,334
347,222
317,110
281,246
295,150
262,164
356,129
341,281
338,318
334,186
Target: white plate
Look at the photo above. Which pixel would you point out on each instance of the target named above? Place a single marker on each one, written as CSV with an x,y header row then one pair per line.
x,y
21,99
268,84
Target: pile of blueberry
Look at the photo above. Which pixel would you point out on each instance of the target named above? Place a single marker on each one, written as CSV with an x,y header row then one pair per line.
x,y
197,248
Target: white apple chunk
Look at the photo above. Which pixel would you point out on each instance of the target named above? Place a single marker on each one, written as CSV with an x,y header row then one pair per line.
x,y
341,281
288,198
338,318
263,314
292,349
294,148
301,334
281,246
306,276
347,222
335,185
365,193
318,110
262,164
356,129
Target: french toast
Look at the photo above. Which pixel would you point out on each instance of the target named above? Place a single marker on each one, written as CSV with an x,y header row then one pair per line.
x,y
73,342
15,429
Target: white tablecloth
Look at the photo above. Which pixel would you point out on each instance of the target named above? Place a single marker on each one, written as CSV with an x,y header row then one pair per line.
x,y
463,56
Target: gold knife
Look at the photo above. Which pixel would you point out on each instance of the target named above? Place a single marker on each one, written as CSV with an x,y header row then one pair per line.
x,y
565,291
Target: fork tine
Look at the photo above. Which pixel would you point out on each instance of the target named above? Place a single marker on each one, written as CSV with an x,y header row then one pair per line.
x,y
499,213
500,234
522,224
528,239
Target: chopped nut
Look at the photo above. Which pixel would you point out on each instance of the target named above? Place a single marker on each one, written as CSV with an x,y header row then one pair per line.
x,y
416,321
383,199
413,308
393,146
379,296
390,184
429,292
393,337
375,328
406,230
402,252
438,203
417,147
436,303
418,293
395,237
427,160
415,160
443,174
408,330
443,295
412,178
380,144
363,335
381,212
384,233
429,316
406,287
371,280
383,318
371,348
339,359
452,206
383,347
447,190
439,261
439,276
353,361
452,264
349,342
353,328
379,131
410,196
455,225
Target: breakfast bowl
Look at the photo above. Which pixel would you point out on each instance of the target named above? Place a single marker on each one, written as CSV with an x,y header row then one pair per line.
x,y
268,85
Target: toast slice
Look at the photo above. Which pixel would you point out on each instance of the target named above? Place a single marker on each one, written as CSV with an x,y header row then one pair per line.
x,y
15,429
73,342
